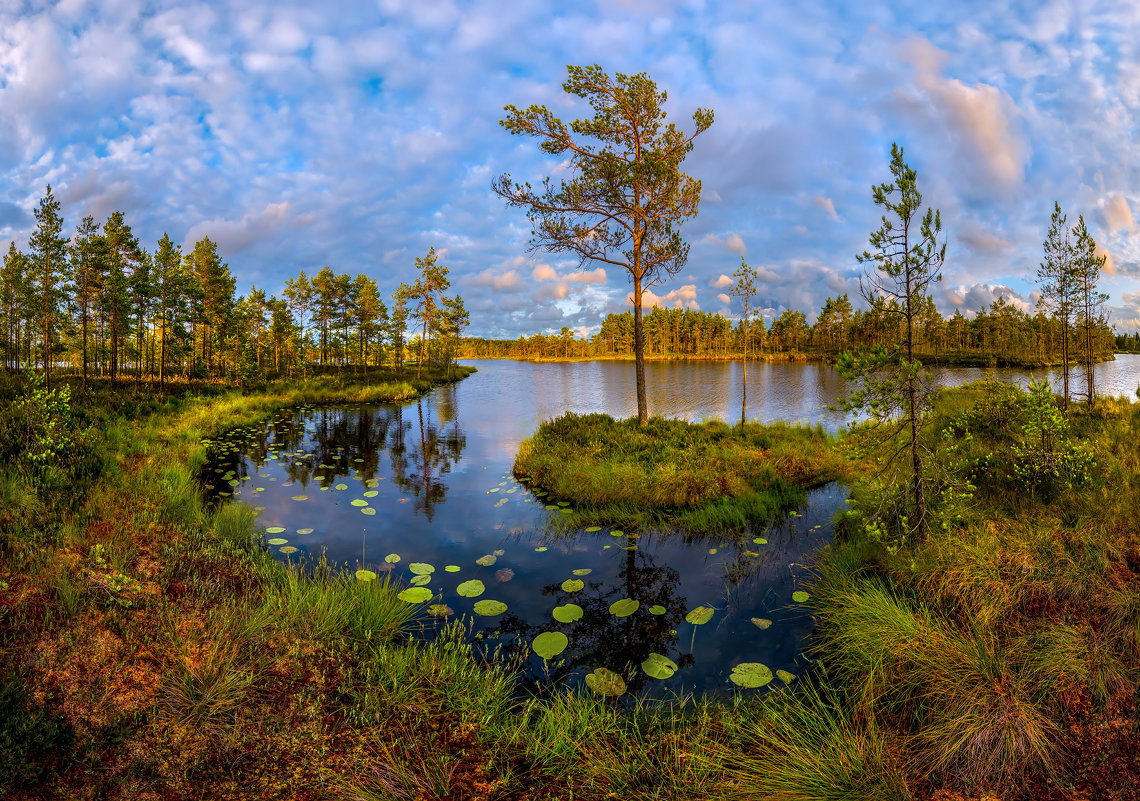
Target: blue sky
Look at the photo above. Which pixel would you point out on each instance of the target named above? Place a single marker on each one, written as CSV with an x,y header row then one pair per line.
x,y
297,136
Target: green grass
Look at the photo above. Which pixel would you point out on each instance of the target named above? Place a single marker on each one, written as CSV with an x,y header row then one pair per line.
x,y
702,477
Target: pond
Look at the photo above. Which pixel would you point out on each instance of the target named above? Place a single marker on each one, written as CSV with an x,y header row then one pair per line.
x,y
422,492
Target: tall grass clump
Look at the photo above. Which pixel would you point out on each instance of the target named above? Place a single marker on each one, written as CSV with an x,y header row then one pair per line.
x,y
810,744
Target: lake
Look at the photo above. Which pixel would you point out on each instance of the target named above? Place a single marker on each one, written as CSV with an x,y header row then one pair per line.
x,y
422,492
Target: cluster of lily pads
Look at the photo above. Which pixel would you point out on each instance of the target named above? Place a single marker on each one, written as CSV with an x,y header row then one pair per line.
x,y
550,644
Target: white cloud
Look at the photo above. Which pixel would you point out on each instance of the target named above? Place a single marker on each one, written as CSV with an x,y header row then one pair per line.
x,y
979,118
684,297
827,206
235,236
1117,214
721,282
723,298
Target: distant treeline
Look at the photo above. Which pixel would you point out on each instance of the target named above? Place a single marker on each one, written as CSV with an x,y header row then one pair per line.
x,y
1001,334
100,304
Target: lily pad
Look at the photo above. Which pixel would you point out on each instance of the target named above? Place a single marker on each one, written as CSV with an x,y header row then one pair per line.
x,y
415,595
583,571
440,610
541,548
567,613
277,541
604,681
625,607
304,531
761,622
419,581
498,552
368,510
452,568
785,676
504,574
340,487
617,533
489,608
658,666
573,585
365,575
760,541
550,644
487,560
699,616
799,596
592,529
358,502
421,568
657,609
287,549
274,529
392,558
750,674
471,589
371,493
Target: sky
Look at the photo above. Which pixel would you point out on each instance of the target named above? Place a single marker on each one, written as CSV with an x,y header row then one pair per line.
x,y
359,135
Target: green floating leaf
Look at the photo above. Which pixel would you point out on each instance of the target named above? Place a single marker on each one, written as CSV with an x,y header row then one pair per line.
x,y
452,568
421,568
371,483
498,552
365,575
592,529
604,681
761,622
760,541
617,533
799,596
785,676
750,674
277,541
486,560
658,666
552,508
415,595
300,497
368,510
567,613
419,581
274,529
657,609
287,549
440,610
470,589
583,571
573,585
550,644
371,493
340,487
304,531
699,616
358,502
624,608
541,548
489,608
392,558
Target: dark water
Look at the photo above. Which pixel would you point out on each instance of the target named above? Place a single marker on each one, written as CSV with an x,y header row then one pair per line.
x,y
435,477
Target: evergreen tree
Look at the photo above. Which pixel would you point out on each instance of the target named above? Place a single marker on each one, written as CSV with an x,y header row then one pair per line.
x,y
47,273
425,295
1058,276
745,289
171,295
903,262
1088,301
88,259
627,197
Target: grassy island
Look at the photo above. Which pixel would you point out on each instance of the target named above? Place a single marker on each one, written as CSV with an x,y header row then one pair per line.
x,y
701,477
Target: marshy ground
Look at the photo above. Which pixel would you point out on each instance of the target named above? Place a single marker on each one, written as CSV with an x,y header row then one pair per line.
x,y
151,647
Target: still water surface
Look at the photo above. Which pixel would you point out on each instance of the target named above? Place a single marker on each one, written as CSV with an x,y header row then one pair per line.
x,y
431,484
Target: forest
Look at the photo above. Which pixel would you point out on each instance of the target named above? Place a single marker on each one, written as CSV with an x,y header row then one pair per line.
x,y
1001,335
99,304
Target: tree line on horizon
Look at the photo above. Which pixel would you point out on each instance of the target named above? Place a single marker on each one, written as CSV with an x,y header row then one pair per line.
x,y
100,305
1001,334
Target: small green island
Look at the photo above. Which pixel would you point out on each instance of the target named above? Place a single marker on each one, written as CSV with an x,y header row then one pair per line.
x,y
702,478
